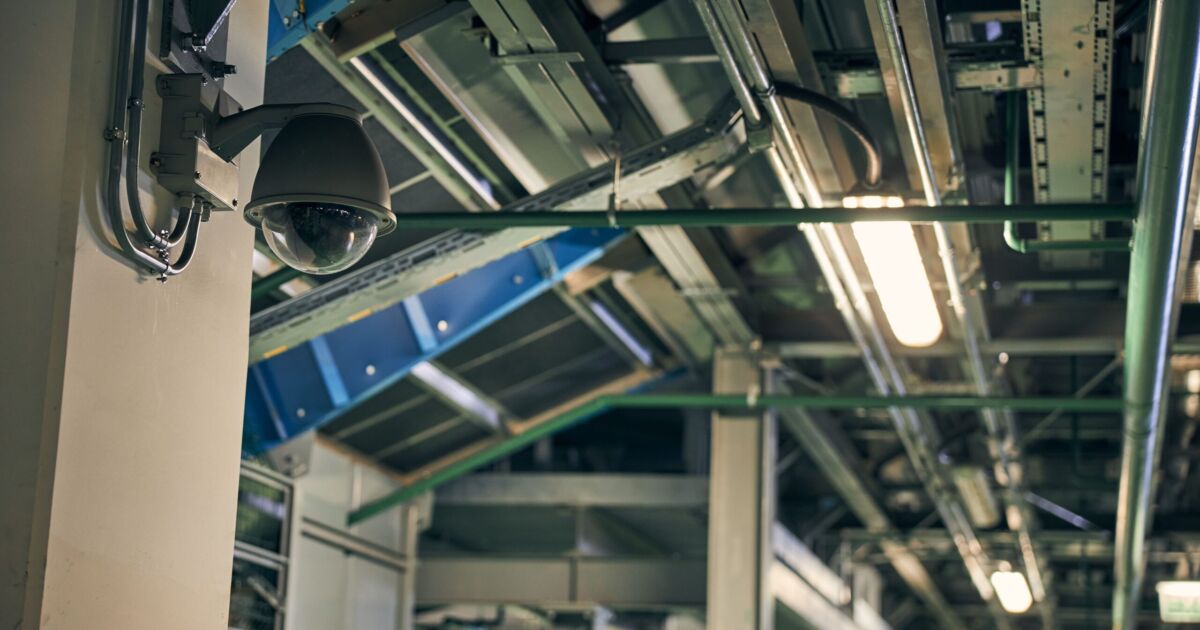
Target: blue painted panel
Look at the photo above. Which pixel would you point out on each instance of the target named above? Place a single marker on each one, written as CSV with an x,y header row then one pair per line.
x,y
373,348
313,384
281,38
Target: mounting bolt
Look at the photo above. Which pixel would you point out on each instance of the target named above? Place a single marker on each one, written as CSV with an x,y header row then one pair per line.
x,y
155,162
234,203
196,175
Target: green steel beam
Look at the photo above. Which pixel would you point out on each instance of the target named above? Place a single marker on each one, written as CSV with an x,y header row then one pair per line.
x,y
598,405
764,216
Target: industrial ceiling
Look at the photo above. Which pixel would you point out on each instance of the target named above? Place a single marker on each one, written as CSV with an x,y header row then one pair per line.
x,y
522,105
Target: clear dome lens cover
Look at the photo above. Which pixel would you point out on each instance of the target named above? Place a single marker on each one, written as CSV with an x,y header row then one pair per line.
x,y
318,238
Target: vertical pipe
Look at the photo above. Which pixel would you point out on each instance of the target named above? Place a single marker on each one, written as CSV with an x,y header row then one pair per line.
x,y
1164,226
1012,157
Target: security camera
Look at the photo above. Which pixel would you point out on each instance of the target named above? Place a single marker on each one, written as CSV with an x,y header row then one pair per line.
x,y
321,195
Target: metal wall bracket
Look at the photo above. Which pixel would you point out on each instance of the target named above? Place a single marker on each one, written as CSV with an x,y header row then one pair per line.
x,y
184,163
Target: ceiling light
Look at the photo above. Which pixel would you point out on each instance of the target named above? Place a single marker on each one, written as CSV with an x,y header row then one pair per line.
x,y
1012,590
1178,601
976,491
873,201
897,273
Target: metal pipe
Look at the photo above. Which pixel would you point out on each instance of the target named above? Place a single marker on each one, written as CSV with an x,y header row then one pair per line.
x,y
757,216
1012,237
601,404
1000,428
1165,164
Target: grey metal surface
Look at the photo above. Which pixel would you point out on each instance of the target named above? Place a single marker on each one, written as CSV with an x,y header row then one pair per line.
x,y
741,502
592,490
1069,42
562,582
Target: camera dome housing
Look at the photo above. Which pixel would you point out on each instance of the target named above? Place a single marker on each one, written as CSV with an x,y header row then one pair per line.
x,y
321,195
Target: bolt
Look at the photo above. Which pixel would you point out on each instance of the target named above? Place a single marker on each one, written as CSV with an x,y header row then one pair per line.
x,y
155,162
286,21
300,413
370,370
443,326
517,279
196,175
235,203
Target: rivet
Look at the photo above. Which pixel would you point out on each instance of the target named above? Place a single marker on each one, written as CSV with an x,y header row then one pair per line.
x,y
443,325
300,413
370,370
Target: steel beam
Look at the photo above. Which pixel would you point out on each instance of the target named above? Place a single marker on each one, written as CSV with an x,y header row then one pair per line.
x,y
741,501
555,583
581,490
300,388
1166,185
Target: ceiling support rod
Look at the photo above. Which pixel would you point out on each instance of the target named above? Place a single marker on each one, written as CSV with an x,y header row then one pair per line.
x,y
1162,241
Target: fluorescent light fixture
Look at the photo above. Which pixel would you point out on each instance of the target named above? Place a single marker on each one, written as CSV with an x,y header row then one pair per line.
x,y
1178,602
873,201
610,321
976,491
898,274
1013,591
455,392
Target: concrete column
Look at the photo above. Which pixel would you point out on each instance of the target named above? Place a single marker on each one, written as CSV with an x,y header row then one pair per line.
x,y
122,398
741,503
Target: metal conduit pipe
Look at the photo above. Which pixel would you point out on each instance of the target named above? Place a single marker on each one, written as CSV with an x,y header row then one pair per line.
x,y
792,180
1001,428
755,216
1160,243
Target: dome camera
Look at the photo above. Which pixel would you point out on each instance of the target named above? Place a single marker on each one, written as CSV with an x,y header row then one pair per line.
x,y
321,195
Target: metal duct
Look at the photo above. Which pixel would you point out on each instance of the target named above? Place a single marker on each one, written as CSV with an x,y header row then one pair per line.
x,y
1161,241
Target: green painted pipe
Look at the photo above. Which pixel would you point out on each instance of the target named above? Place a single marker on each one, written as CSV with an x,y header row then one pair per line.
x,y
763,216
272,281
1012,107
601,404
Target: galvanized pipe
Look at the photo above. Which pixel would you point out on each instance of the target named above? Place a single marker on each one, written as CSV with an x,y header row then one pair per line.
x,y
1164,230
725,217
1001,429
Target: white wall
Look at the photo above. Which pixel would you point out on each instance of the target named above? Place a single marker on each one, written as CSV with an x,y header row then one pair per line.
x,y
122,398
328,587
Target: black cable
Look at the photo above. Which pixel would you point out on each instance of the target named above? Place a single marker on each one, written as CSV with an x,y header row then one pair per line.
x,y
847,118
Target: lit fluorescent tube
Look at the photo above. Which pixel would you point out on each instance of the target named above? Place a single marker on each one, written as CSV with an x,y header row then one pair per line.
x,y
1013,591
898,274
